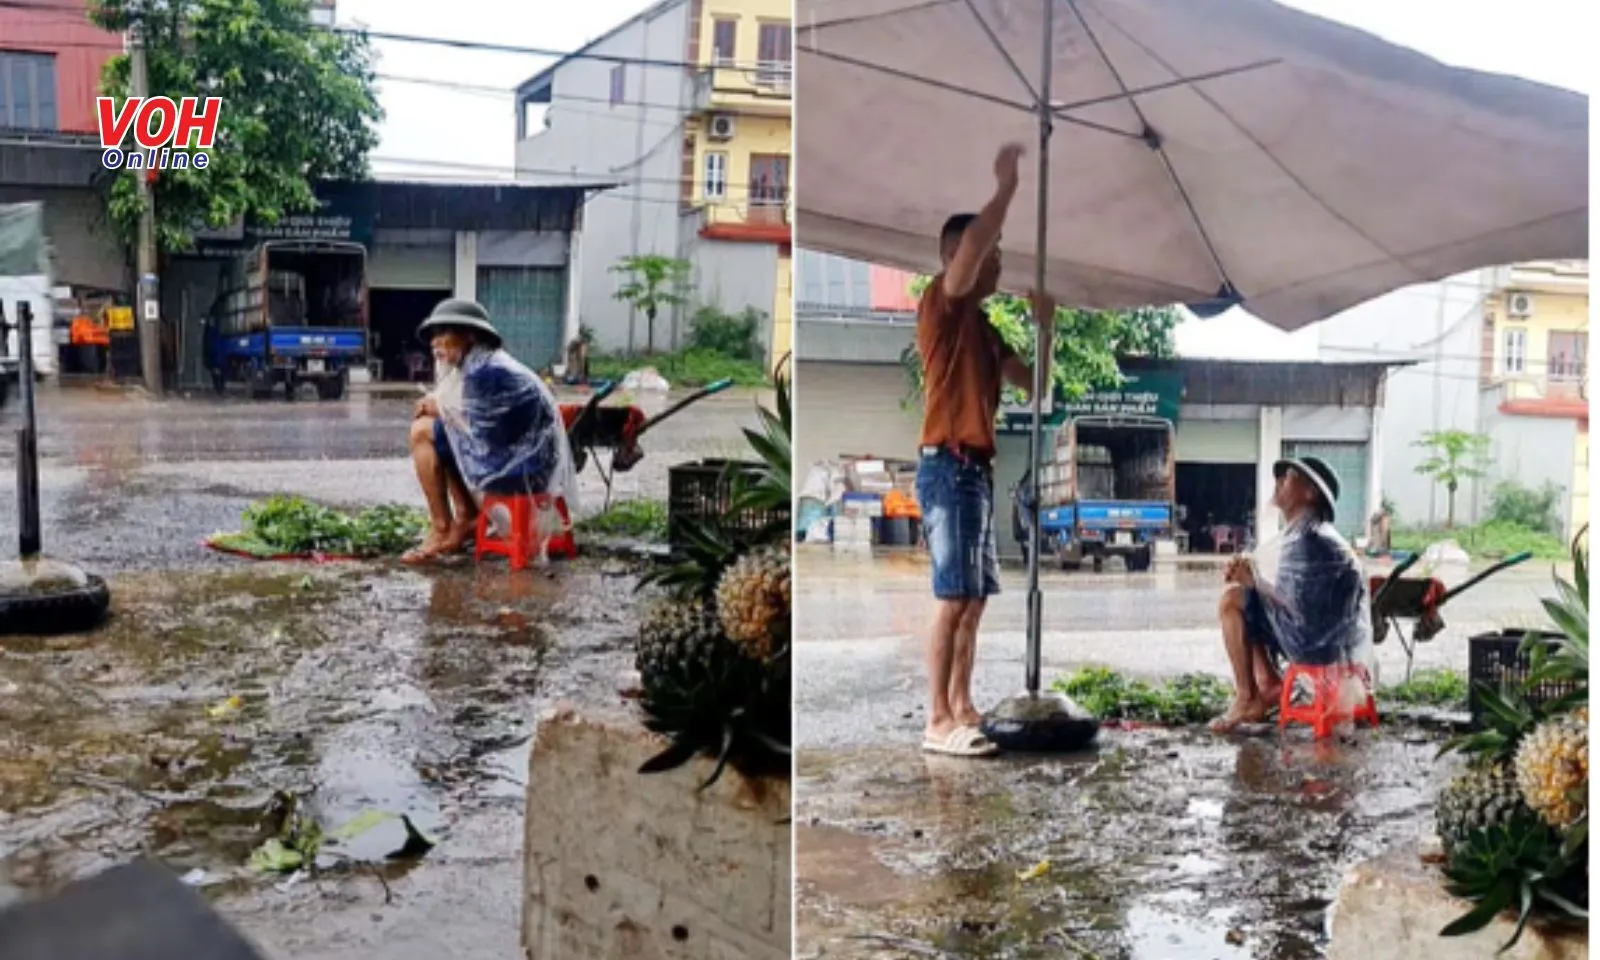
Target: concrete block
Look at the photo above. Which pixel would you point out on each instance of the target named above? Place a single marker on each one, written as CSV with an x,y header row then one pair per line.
x,y
1393,908
618,864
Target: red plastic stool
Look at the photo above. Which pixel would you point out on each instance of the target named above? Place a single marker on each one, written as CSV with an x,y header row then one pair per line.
x,y
1324,713
523,544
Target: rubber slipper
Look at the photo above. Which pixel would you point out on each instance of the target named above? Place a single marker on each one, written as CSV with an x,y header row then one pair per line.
x,y
961,742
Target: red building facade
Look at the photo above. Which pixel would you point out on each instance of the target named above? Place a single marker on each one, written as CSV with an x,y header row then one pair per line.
x,y
51,57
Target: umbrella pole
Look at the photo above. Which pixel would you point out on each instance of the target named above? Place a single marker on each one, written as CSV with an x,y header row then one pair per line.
x,y
1036,722
1042,378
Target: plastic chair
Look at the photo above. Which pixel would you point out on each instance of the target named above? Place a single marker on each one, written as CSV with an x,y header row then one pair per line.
x,y
525,539
1324,712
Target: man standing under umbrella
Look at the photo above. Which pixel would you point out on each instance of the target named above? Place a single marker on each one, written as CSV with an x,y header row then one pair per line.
x,y
964,363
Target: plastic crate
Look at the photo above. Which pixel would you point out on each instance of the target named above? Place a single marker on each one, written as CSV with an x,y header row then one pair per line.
x,y
703,489
1497,660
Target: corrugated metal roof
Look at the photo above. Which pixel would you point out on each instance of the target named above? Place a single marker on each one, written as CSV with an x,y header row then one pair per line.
x,y
494,205
1272,383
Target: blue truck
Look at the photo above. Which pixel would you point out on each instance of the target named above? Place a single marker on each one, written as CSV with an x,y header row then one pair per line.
x,y
1107,489
288,313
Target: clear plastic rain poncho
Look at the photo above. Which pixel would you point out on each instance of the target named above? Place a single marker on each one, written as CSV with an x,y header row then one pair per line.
x,y
1313,595
505,428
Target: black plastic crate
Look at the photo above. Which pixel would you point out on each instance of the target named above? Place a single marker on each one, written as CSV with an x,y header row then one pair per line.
x,y
1497,660
703,489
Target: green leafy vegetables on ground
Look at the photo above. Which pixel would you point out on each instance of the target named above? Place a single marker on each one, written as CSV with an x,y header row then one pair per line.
x,y
294,526
637,519
1106,694
1428,688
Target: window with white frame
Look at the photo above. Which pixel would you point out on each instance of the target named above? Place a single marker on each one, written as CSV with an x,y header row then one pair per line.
x,y
716,176
1514,351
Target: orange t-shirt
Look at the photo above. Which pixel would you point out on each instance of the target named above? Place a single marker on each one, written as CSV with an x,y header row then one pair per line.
x,y
962,361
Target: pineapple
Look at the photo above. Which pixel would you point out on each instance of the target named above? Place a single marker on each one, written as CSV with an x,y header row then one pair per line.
x,y
675,634
1552,768
713,655
1478,798
753,600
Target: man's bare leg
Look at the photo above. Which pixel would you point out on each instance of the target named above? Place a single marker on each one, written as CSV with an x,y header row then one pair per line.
x,y
465,513
964,657
1269,682
431,476
1246,706
941,665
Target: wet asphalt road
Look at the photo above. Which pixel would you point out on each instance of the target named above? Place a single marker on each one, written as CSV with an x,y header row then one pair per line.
x,y
132,484
362,686
860,623
1162,845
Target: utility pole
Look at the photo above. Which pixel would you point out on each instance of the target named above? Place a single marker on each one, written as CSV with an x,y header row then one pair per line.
x,y
148,297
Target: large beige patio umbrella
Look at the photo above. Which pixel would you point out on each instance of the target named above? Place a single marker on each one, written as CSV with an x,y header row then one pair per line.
x,y
1209,152
1202,149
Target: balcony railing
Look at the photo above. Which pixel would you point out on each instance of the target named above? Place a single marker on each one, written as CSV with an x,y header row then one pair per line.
x,y
767,212
735,85
775,75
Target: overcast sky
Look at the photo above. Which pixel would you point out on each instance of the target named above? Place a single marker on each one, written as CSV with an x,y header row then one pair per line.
x,y
429,128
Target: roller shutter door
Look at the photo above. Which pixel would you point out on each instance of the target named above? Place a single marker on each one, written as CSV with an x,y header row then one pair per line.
x,y
852,408
528,305
1218,441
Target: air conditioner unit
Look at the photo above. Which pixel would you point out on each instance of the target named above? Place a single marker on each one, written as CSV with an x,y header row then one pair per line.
x,y
721,127
1519,305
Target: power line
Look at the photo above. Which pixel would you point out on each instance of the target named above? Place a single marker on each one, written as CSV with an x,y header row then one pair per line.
x,y
544,172
581,54
748,66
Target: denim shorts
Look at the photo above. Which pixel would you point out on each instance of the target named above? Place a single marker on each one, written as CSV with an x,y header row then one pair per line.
x,y
957,501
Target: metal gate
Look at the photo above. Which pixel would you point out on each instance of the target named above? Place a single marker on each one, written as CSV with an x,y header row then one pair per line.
x,y
1349,461
528,305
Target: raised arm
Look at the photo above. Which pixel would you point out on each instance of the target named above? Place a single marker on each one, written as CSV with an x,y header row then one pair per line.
x,y
961,274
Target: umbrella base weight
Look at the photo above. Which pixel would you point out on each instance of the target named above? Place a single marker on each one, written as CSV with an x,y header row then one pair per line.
x,y
1040,723
43,597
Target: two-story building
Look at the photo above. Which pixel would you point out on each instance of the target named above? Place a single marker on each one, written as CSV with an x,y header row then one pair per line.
x,y
686,106
51,58
1500,352
1533,375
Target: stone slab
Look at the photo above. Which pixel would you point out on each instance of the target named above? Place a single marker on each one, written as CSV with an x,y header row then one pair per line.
x,y
1393,908
618,864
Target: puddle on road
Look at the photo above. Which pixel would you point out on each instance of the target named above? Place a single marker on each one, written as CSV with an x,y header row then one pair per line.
x,y
1161,846
172,730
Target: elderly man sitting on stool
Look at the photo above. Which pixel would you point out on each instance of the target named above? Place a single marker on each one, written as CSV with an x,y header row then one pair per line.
x,y
489,426
1315,612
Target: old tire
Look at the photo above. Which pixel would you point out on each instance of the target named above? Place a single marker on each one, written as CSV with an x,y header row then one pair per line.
x,y
260,385
67,610
1139,562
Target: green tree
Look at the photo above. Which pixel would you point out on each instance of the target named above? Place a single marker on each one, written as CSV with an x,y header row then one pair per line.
x,y
298,105
1454,456
651,282
1087,342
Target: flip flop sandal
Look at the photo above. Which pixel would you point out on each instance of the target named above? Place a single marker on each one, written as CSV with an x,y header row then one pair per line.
x,y
961,742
